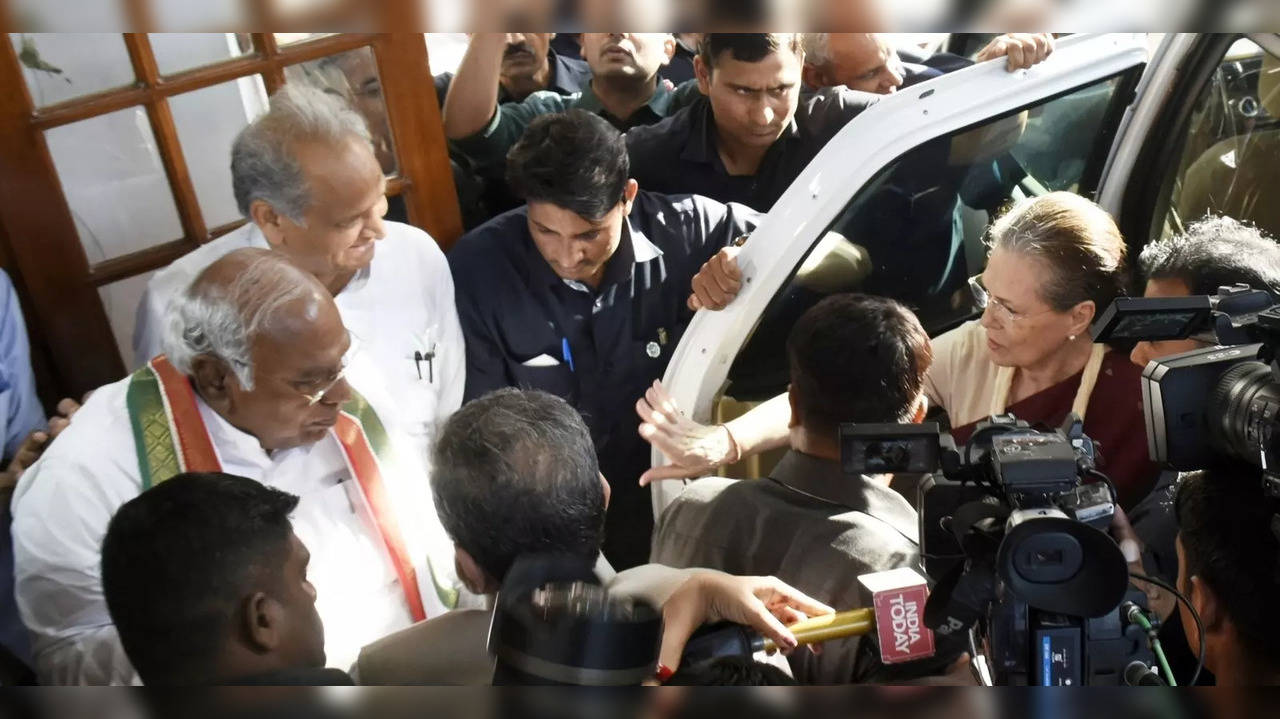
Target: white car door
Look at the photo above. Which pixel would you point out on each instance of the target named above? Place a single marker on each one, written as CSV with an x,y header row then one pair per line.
x,y
896,204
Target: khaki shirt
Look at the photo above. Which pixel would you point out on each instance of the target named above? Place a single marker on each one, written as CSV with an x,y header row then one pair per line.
x,y
811,526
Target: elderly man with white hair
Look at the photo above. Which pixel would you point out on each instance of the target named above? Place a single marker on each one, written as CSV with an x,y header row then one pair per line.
x,y
868,61
306,176
261,380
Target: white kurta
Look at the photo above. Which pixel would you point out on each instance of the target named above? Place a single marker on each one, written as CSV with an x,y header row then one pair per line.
x,y
401,304
63,503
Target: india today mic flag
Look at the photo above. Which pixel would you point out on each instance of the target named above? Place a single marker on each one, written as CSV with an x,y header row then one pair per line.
x,y
898,596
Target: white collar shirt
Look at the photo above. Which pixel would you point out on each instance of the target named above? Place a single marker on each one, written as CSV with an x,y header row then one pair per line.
x,y
63,503
401,308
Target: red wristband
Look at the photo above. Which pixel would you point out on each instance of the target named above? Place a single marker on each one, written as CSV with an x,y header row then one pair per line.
x,y
663,673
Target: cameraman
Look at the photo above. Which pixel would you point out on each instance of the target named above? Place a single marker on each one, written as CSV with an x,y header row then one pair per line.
x,y
1229,567
854,358
1213,252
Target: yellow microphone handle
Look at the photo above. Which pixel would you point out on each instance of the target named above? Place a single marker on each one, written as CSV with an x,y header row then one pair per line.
x,y
851,623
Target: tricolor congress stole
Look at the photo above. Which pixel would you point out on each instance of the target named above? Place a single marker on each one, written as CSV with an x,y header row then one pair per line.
x,y
171,438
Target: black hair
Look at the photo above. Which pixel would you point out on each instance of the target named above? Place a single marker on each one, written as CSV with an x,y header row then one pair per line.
x,y
1213,252
178,560
746,46
575,160
515,472
731,671
857,358
1225,524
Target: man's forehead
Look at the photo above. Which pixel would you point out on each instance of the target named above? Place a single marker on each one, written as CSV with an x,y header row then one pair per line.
x,y
565,220
858,46
339,167
779,67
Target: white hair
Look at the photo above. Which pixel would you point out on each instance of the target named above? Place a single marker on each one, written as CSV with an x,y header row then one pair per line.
x,y
263,164
817,48
223,319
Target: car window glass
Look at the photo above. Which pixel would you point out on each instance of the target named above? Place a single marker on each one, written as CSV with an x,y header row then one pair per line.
x,y
1228,157
915,231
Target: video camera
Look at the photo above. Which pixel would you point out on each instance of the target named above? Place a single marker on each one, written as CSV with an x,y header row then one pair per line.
x,y
1016,540
1216,403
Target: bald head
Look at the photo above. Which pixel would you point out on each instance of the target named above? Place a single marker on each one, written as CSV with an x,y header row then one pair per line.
x,y
244,294
858,60
264,343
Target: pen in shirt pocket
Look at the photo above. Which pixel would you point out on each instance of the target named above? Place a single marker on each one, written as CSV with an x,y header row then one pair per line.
x,y
566,354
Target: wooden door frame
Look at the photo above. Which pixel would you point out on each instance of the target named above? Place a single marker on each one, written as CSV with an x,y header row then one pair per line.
x,y
57,283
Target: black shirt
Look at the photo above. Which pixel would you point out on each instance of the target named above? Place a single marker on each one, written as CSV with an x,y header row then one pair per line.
x,y
679,154
516,314
680,68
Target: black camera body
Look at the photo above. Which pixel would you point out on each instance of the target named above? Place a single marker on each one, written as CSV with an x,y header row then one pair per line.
x,y
1015,539
1215,404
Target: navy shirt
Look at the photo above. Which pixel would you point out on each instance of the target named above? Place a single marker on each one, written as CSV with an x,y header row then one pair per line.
x,y
679,154
516,315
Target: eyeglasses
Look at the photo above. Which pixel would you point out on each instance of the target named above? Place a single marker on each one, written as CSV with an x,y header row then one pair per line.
x,y
1002,311
315,390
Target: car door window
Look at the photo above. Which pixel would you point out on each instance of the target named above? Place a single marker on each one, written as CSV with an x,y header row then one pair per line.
x,y
1228,158
915,231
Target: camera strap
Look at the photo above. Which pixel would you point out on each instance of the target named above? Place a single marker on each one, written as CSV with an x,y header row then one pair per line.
x,y
1088,379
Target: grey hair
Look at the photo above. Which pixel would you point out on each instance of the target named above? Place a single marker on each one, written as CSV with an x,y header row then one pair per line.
x,y
1077,241
516,473
263,164
817,48
222,320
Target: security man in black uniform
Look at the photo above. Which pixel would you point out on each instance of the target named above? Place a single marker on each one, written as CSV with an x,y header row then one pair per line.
x,y
585,291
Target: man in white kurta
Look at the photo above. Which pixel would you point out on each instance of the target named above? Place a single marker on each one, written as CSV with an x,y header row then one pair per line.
x,y
64,502
391,281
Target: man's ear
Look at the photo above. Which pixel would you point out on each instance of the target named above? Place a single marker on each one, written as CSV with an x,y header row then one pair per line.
x,y
703,74
629,195
473,577
213,380
269,221
1207,605
263,622
796,418
669,48
608,491
814,77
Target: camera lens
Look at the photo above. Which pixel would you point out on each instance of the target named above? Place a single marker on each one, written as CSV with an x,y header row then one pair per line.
x,y
1242,406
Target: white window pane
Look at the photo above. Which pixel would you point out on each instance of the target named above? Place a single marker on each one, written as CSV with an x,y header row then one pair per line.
x,y
62,66
120,300
293,38
178,51
114,183
208,121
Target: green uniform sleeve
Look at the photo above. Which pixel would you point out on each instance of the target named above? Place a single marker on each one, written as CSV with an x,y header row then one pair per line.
x,y
487,149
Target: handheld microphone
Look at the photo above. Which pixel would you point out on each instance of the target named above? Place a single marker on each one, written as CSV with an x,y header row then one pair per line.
x,y
896,617
1138,674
